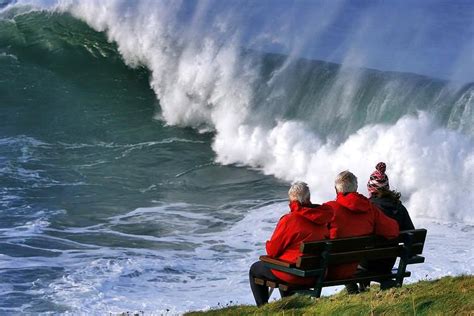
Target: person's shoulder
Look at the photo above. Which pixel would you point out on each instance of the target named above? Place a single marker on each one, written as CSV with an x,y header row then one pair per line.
x,y
292,218
375,199
284,218
402,207
385,203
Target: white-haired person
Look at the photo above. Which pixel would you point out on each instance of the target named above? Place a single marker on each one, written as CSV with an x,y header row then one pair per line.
x,y
305,222
355,215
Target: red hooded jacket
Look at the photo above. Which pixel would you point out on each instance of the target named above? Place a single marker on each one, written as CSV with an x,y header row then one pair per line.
x,y
302,224
355,215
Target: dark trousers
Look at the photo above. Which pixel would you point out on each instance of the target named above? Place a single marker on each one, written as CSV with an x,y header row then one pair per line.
x,y
260,292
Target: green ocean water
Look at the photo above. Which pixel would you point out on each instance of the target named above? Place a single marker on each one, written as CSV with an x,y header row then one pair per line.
x,y
79,144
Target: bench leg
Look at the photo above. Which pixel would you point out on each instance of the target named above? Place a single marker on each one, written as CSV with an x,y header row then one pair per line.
x,y
352,288
406,254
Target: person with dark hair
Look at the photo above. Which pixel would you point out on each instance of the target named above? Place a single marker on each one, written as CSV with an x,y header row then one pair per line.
x,y
388,201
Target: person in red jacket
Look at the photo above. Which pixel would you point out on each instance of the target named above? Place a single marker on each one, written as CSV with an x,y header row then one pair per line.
x,y
305,222
355,215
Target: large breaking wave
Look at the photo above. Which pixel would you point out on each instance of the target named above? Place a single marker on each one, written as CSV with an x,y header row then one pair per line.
x,y
290,117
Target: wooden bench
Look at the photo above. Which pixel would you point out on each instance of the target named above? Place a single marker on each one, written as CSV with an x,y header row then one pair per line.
x,y
319,255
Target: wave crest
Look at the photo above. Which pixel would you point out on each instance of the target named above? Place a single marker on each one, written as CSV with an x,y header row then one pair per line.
x,y
296,118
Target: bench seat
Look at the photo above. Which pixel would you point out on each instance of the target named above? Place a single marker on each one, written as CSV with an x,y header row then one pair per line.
x,y
316,257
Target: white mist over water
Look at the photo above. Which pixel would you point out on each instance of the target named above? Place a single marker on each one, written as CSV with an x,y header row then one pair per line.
x,y
426,163
204,81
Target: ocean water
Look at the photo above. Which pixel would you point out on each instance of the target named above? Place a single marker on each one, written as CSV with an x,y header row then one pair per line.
x,y
146,147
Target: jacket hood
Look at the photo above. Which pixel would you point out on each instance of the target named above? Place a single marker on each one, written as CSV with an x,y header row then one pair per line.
x,y
318,214
354,201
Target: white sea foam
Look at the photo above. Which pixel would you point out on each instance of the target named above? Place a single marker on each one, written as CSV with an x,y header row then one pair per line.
x,y
210,274
5,55
160,281
426,163
30,228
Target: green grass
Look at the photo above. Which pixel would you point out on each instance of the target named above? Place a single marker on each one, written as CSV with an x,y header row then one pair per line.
x,y
445,296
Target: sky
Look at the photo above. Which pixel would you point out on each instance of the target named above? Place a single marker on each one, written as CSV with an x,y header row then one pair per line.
x,y
434,38
429,37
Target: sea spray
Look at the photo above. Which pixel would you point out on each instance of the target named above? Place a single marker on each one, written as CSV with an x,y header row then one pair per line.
x,y
207,83
425,161
264,119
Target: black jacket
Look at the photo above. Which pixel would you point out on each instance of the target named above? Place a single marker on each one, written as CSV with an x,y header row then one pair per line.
x,y
394,209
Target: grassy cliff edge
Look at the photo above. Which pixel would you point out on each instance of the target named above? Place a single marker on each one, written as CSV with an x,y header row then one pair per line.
x,y
445,296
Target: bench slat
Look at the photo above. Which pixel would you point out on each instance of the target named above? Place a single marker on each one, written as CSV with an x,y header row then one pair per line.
x,y
259,281
297,272
305,262
276,261
370,254
281,286
338,245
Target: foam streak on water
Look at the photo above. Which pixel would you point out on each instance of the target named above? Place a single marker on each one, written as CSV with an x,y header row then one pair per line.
x,y
114,279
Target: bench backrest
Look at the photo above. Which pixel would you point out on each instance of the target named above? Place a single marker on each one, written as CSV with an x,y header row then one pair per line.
x,y
328,252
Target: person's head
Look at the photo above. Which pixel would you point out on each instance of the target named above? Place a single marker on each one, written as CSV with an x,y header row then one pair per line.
x,y
378,180
299,191
346,182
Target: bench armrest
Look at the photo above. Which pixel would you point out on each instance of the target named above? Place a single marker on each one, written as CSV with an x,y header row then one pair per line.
x,y
278,262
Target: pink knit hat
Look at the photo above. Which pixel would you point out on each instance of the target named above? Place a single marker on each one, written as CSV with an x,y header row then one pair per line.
x,y
378,179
